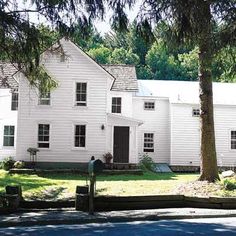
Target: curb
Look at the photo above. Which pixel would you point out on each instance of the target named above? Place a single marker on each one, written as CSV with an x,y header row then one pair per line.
x,y
99,219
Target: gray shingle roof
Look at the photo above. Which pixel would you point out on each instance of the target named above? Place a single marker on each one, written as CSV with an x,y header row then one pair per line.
x,y
7,70
125,77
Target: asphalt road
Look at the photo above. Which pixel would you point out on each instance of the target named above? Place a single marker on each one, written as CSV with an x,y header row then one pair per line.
x,y
210,226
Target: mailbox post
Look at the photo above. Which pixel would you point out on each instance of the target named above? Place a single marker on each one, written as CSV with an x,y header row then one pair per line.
x,y
94,167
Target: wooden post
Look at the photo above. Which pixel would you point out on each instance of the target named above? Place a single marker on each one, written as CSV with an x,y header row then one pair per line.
x,y
91,194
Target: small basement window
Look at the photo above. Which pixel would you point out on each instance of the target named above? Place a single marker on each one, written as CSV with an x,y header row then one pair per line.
x,y
116,105
43,135
8,136
148,144
233,139
45,98
149,106
195,112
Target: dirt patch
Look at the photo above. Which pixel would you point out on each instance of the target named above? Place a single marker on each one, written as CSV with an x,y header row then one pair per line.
x,y
199,189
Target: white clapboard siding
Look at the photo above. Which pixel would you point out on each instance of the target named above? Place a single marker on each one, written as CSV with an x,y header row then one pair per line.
x,y
156,122
7,117
185,135
62,114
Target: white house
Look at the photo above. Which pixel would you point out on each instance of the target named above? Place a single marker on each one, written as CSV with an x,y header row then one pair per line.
x,y
8,110
104,108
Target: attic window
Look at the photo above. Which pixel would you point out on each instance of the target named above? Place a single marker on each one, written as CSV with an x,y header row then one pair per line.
x,y
195,112
149,106
14,101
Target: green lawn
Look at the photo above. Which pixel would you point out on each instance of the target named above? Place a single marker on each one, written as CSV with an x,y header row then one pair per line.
x,y
62,186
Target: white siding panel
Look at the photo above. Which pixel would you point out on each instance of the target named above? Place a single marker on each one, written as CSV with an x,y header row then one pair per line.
x,y
62,114
185,135
156,122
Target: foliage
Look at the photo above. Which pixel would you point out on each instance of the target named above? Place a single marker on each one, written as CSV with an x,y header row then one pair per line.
x,y
122,56
19,164
107,157
146,162
100,55
229,184
7,163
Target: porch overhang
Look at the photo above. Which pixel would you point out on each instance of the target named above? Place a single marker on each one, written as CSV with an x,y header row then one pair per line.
x,y
120,120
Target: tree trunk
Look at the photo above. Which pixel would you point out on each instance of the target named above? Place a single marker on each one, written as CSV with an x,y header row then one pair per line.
x,y
209,169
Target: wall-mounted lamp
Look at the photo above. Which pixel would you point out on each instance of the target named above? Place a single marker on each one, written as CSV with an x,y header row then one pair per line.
x,y
102,127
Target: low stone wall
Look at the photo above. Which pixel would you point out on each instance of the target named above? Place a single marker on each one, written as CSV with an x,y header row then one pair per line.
x,y
113,203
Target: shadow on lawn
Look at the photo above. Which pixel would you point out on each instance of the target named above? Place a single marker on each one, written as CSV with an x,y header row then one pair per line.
x,y
145,176
28,182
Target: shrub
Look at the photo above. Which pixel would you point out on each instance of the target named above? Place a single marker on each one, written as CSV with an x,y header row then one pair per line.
x,y
146,162
229,184
107,157
8,163
19,164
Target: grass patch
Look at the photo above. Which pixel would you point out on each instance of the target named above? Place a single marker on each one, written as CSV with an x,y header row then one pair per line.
x,y
62,186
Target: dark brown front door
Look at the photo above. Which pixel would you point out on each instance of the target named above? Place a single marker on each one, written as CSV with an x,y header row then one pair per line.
x,y
121,144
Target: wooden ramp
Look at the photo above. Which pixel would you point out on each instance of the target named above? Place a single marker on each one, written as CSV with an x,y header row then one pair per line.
x,y
162,168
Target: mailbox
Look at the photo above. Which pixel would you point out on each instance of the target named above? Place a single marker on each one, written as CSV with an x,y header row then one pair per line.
x,y
95,167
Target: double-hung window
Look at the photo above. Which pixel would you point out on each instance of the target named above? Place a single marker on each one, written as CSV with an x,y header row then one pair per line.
x,y
116,105
81,94
195,112
45,98
80,136
148,144
233,139
149,106
8,136
14,101
43,135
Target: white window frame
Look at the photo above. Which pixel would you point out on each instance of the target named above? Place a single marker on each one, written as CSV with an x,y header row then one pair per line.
x,y
8,136
116,105
14,101
79,103
148,108
44,100
149,142
234,140
86,136
49,135
195,112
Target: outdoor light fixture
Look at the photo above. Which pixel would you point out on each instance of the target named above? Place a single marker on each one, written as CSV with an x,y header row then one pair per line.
x,y
102,126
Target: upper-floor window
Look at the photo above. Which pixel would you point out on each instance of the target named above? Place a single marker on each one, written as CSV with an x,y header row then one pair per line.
x,y
116,105
233,139
44,98
196,112
81,94
80,135
8,136
43,135
148,144
149,105
14,101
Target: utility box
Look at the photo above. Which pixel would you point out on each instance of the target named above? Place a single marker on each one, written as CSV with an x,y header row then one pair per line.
x,y
95,167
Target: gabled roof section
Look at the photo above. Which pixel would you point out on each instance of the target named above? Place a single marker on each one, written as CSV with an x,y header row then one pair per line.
x,y
126,79
7,72
186,91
